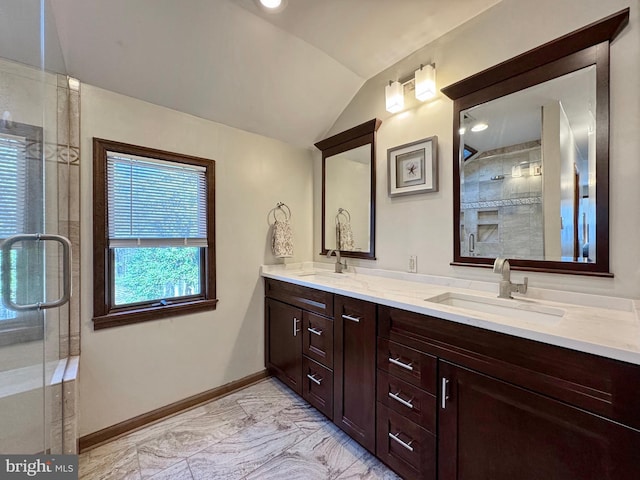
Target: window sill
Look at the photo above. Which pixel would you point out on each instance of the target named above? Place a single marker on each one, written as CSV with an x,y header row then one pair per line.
x,y
12,334
119,318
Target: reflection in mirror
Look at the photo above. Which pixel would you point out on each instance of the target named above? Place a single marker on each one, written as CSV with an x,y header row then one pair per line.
x,y
527,173
348,191
348,194
531,150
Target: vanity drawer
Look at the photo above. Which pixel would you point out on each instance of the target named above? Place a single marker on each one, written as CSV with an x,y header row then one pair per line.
x,y
408,400
408,364
317,386
306,298
317,338
407,448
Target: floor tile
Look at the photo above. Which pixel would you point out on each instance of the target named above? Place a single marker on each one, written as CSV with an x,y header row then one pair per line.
x,y
112,461
328,453
190,437
305,417
267,398
179,471
242,453
368,468
262,432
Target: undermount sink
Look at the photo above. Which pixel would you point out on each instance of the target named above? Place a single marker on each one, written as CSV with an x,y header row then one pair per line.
x,y
514,309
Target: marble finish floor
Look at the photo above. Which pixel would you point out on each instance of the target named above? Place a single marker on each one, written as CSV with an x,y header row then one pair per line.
x,y
261,432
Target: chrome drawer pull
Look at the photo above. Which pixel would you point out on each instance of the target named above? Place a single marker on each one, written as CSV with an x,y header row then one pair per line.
x,y
396,361
315,331
444,394
314,379
295,327
349,317
397,398
395,436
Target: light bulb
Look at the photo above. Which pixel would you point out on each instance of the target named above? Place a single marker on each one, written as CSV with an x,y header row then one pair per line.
x,y
271,3
394,96
425,82
478,127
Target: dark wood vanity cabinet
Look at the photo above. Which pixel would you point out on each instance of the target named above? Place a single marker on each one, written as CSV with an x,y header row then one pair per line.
x,y
508,407
355,369
439,399
299,341
330,362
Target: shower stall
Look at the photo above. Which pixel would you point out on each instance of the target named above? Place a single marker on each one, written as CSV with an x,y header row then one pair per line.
x,y
39,162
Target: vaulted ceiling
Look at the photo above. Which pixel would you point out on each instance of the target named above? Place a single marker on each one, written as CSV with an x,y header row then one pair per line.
x,y
285,75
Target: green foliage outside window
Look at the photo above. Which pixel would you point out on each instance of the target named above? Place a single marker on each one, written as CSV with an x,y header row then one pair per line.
x,y
162,273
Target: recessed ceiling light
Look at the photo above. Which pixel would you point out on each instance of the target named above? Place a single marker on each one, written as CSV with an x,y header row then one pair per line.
x,y
478,127
271,3
271,6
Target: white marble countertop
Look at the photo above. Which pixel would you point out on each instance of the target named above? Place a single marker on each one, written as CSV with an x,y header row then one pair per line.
x,y
606,326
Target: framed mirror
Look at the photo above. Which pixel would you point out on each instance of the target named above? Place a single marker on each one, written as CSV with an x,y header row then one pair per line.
x,y
348,191
531,157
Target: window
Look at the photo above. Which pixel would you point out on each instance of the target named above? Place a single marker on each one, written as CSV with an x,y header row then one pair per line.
x,y
153,234
21,210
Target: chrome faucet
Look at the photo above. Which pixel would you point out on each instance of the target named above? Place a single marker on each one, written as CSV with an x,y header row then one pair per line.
x,y
501,265
339,266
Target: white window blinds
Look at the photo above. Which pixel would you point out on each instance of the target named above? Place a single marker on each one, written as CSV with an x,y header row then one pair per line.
x,y
13,182
155,203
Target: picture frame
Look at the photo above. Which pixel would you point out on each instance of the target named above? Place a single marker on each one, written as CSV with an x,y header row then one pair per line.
x,y
413,167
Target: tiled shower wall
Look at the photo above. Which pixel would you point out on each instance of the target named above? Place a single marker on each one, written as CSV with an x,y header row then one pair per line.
x,y
66,152
503,212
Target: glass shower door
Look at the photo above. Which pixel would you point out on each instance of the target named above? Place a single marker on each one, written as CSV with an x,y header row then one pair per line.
x,y
34,260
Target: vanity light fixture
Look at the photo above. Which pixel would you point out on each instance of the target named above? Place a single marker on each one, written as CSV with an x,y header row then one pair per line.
x,y
394,96
425,82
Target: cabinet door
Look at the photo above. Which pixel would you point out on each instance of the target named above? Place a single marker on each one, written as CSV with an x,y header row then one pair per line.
x,y
284,343
354,370
489,429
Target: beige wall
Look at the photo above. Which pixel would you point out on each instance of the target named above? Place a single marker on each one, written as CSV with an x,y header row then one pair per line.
x,y
130,370
422,224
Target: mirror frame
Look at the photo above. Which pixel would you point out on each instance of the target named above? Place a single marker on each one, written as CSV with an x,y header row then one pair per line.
x,y
581,48
357,136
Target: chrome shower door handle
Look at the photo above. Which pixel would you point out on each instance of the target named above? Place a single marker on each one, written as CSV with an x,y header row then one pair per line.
x,y
6,271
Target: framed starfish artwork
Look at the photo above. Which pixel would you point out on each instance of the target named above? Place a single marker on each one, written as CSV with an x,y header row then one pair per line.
x,y
413,167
